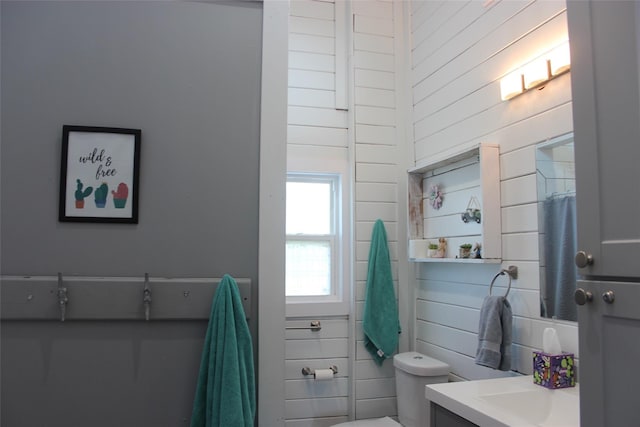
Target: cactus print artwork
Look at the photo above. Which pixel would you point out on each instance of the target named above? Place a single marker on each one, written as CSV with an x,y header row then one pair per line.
x,y
101,163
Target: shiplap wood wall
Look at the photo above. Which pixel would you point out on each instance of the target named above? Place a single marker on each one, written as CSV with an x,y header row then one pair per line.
x,y
460,50
315,124
378,174
365,135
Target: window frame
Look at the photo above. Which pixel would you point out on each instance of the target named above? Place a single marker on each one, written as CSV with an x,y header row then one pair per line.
x,y
332,238
309,161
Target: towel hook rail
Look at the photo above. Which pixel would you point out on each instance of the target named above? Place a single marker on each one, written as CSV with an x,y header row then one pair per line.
x,y
511,272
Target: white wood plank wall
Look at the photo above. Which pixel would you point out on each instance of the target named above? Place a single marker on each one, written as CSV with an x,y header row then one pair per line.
x,y
378,171
310,402
367,130
312,116
460,50
316,126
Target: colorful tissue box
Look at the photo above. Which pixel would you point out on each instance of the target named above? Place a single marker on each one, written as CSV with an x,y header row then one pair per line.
x,y
553,370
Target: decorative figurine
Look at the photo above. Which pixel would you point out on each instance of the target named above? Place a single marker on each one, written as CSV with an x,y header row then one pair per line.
x,y
476,251
473,211
442,247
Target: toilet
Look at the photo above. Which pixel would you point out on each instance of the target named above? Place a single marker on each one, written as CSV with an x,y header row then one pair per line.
x,y
413,372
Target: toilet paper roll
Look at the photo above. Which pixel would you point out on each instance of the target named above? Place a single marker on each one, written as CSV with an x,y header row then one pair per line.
x,y
418,248
323,374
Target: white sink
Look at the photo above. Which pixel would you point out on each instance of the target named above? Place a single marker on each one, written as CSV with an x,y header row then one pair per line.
x,y
513,401
543,408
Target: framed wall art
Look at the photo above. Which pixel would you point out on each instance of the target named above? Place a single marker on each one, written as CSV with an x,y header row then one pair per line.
x,y
99,174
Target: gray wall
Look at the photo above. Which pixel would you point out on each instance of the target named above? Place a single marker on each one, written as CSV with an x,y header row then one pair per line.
x,y
188,76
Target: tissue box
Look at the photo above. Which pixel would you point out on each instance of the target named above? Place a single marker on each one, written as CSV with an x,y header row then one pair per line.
x,y
553,370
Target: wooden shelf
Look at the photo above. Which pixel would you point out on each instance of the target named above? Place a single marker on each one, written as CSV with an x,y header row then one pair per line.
x,y
462,174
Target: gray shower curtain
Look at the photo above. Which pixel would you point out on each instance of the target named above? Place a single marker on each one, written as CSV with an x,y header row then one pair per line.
x,y
560,245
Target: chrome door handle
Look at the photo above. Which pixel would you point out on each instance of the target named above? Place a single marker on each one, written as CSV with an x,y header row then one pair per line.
x,y
609,297
582,297
583,259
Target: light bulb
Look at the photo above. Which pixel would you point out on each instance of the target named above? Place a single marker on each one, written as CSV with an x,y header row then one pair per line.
x,y
511,85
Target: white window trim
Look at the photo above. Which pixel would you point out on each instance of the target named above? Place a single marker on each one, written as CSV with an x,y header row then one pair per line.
x,y
332,239
326,160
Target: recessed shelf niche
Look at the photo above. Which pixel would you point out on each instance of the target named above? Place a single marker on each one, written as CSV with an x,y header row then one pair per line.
x,y
472,172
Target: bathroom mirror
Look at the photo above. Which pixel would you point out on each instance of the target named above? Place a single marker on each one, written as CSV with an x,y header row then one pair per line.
x,y
555,174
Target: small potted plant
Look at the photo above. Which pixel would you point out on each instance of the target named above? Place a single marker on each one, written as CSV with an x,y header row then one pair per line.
x,y
465,250
433,249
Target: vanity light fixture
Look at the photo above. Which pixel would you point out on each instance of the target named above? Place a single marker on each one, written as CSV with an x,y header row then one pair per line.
x,y
559,59
511,85
536,72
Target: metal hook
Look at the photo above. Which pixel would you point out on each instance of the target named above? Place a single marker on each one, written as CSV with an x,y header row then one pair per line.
x,y
146,296
63,299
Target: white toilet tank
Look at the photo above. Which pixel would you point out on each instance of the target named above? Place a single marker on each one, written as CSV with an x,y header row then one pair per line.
x,y
413,372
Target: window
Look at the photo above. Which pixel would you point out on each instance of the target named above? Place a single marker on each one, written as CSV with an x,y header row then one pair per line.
x,y
313,226
318,231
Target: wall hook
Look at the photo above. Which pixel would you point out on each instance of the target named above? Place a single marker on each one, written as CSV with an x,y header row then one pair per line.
x,y
146,296
63,299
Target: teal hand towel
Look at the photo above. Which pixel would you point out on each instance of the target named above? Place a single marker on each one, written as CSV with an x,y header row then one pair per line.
x,y
225,394
380,317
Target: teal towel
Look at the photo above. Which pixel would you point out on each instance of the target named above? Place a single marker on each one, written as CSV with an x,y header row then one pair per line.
x,y
380,318
225,394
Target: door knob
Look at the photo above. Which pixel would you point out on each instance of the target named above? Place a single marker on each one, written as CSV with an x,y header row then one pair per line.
x,y
609,297
582,297
583,259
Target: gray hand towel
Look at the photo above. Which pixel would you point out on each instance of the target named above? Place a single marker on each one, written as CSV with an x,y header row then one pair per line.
x,y
494,334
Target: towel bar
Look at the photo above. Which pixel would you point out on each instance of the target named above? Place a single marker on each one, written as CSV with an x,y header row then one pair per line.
x,y
314,326
308,371
512,272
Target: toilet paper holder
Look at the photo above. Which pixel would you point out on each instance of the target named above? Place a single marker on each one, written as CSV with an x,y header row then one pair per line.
x,y
308,371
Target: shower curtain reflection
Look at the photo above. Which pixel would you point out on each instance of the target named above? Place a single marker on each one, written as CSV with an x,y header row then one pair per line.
x,y
560,245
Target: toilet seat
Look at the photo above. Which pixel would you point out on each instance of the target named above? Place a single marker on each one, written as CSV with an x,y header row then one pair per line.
x,y
373,422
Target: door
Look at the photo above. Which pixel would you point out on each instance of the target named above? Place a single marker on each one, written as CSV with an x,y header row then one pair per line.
x,y
609,335
606,116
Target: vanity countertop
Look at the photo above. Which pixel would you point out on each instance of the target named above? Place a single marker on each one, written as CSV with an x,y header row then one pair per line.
x,y
508,402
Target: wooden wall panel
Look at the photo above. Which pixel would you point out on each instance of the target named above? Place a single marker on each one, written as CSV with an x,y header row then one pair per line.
x,y
367,128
